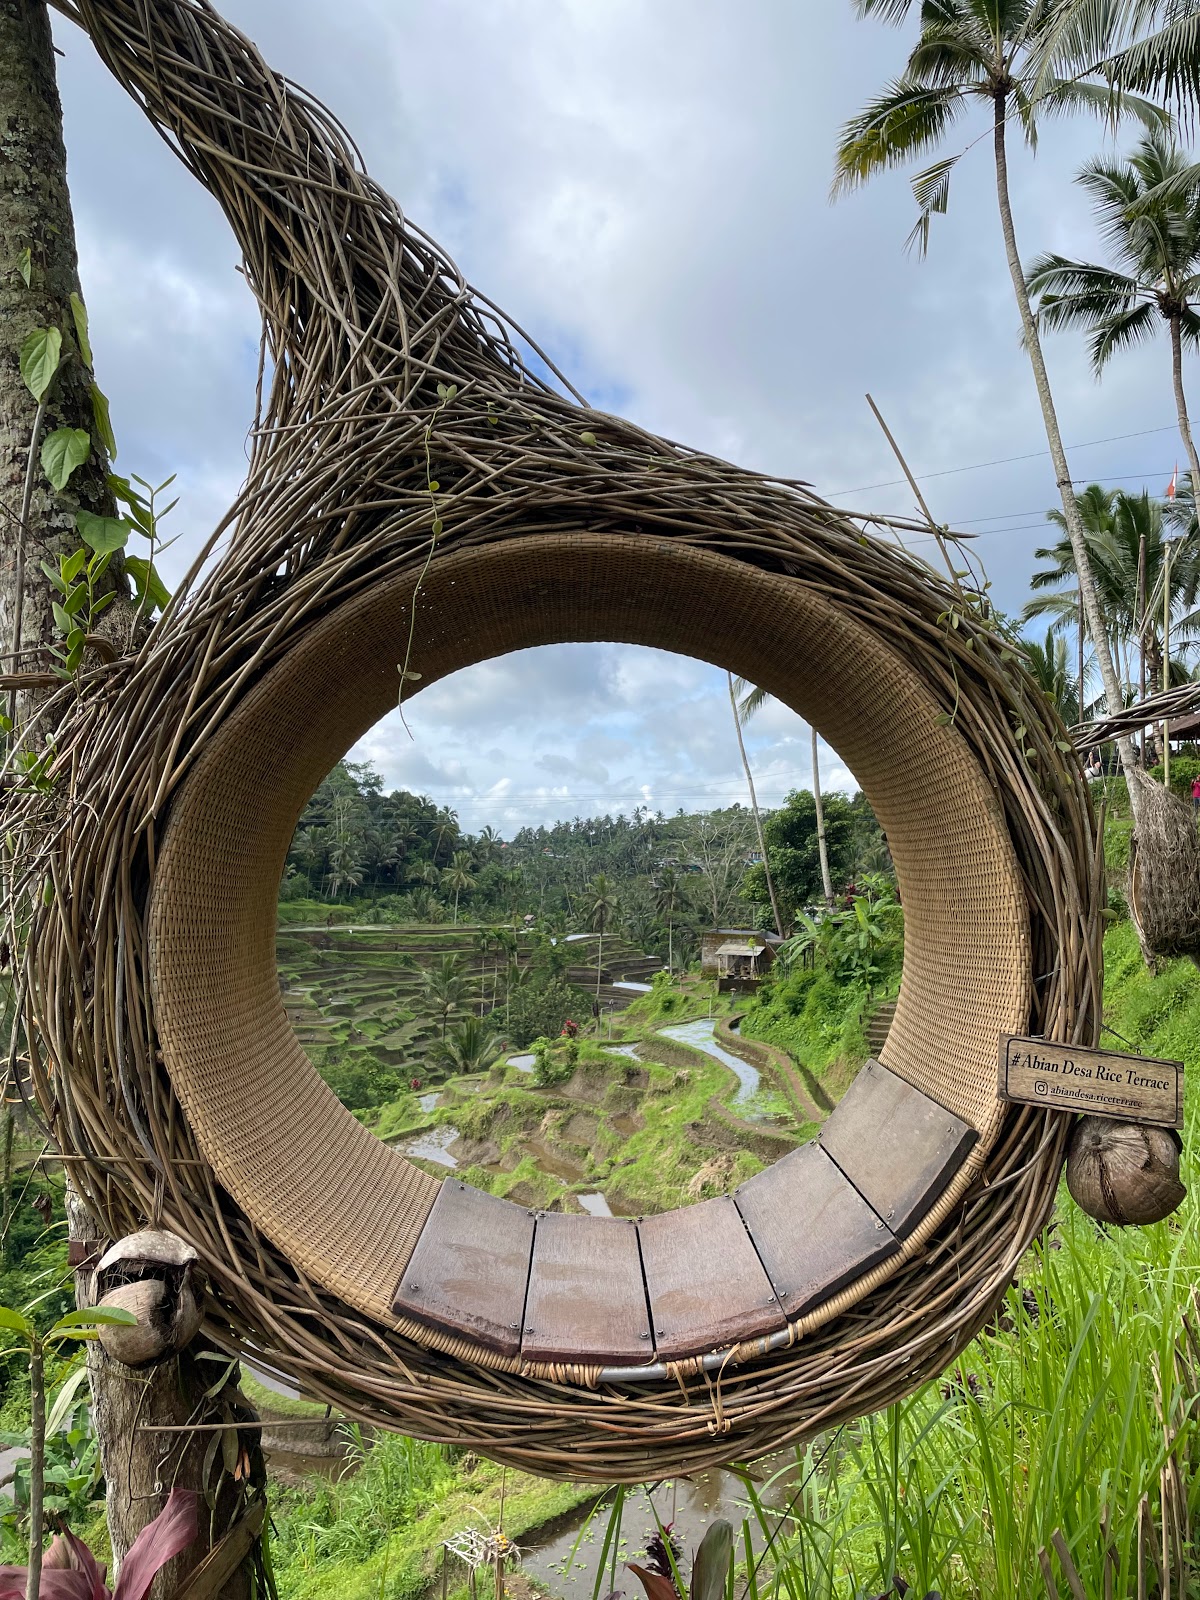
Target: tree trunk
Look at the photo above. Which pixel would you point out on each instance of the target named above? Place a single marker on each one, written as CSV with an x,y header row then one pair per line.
x,y
35,216
1097,627
822,849
762,843
1185,426
140,1468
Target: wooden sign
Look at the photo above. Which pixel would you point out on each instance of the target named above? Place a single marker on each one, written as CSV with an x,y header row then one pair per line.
x,y
1104,1083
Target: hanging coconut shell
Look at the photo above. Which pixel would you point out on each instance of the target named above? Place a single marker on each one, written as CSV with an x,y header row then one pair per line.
x,y
1124,1173
156,1276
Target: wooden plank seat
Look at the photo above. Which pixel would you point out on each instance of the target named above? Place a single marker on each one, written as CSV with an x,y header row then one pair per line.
x,y
898,1147
706,1285
470,1267
813,1231
564,1289
587,1298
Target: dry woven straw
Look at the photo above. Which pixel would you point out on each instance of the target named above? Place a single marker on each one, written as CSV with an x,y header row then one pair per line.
x,y
181,767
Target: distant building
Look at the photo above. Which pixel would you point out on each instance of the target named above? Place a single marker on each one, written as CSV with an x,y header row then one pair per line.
x,y
738,958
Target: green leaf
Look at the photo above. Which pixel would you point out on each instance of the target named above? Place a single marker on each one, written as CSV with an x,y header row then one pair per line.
x,y
40,357
80,317
147,581
64,1400
587,436
102,534
712,1561
14,1322
62,618
437,526
25,265
74,565
103,420
434,486
54,577
62,452
95,1317
75,599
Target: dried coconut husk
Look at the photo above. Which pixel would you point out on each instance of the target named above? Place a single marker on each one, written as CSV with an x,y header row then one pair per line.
x,y
1124,1173
1164,872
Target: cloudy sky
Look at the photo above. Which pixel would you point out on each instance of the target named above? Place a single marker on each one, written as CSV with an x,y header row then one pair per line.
x,y
645,187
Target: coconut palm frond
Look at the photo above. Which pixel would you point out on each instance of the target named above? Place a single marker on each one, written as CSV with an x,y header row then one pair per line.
x,y
931,191
904,120
1120,332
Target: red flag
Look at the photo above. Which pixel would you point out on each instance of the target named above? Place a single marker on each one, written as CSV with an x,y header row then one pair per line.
x,y
1171,485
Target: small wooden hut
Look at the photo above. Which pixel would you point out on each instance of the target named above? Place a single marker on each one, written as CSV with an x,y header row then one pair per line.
x,y
738,958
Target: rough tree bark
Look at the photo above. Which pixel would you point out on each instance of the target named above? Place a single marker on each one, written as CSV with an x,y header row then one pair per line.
x,y
1181,410
140,1467
35,216
1097,627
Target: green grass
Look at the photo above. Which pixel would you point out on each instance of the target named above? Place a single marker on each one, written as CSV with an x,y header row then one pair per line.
x,y
816,1020
1049,1421
379,1532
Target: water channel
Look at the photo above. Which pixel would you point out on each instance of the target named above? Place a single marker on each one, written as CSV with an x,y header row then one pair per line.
x,y
701,1035
689,1503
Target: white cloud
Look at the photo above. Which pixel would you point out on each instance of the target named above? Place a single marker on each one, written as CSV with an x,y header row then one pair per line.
x,y
644,187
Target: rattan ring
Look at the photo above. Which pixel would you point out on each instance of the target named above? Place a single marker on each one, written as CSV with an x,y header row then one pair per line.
x,y
419,498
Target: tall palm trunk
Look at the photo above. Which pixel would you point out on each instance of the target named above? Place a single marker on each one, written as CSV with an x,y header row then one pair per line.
x,y
762,843
1185,427
599,957
1097,627
822,848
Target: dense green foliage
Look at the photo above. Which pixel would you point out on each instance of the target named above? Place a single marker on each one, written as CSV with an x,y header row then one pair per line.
x,y
364,856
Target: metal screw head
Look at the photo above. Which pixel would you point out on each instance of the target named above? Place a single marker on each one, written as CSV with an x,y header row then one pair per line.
x,y
414,1288
643,1335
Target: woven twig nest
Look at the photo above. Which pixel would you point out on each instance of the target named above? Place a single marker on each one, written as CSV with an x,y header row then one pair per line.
x,y
1123,1172
385,375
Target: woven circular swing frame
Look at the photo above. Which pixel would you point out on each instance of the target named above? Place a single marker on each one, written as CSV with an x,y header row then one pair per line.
x,y
419,498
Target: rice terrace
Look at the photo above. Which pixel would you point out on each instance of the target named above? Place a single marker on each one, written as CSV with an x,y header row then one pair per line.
x,y
586,1013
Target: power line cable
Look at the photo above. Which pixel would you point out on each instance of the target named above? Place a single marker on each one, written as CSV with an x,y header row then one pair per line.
x,y
1003,461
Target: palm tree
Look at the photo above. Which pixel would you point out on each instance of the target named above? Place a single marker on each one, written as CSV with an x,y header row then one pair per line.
x,y
601,909
1126,546
458,876
488,844
446,988
670,897
739,717
345,871
1050,667
1148,209
1020,58
753,699
470,1046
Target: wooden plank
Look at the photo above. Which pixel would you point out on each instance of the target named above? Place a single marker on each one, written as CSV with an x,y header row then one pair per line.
x,y
470,1268
706,1286
813,1231
898,1147
587,1301
1106,1083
